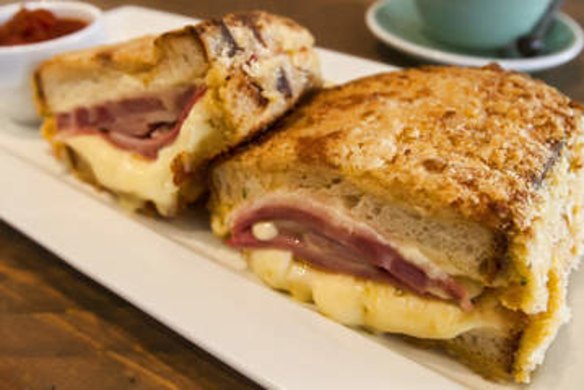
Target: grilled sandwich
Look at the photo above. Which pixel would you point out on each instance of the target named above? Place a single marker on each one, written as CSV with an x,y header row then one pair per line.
x,y
143,118
441,204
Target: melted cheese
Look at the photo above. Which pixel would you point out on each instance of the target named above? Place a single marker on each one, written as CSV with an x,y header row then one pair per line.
x,y
378,306
130,174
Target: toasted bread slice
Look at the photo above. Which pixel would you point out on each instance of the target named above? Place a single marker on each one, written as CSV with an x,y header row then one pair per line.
x,y
246,70
475,174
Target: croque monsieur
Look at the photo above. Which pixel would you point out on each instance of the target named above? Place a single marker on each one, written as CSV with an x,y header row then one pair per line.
x,y
143,118
442,204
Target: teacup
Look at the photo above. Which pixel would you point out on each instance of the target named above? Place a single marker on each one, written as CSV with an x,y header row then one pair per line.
x,y
480,24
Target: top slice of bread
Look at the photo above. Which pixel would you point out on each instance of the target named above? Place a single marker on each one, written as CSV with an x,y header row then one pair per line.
x,y
473,166
180,57
474,142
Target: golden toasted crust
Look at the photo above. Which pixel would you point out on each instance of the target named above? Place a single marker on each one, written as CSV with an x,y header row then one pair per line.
x,y
474,142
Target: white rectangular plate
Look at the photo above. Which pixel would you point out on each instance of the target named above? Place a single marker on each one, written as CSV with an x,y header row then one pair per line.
x,y
180,274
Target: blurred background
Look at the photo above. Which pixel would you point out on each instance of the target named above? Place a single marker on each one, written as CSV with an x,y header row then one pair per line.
x,y
339,25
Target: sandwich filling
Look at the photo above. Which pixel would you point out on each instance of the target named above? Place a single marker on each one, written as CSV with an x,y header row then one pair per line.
x,y
333,242
141,124
137,179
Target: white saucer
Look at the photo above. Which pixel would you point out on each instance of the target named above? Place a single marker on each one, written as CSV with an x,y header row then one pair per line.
x,y
398,24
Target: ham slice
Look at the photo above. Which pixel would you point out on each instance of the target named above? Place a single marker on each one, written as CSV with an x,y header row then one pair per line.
x,y
142,124
333,242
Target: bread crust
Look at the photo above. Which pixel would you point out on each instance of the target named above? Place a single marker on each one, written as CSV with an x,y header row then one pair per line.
x,y
476,143
150,61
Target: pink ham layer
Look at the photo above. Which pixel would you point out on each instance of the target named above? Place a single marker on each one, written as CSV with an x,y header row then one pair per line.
x,y
142,124
321,239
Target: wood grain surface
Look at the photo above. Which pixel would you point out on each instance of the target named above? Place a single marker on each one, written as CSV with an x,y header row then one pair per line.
x,y
60,330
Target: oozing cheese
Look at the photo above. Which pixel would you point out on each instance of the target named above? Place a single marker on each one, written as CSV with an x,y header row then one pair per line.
x,y
358,302
130,174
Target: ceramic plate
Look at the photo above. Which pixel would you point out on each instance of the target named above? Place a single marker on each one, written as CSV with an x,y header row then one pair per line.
x,y
398,24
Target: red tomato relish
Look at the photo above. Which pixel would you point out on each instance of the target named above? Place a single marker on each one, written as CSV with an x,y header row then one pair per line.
x,y
36,26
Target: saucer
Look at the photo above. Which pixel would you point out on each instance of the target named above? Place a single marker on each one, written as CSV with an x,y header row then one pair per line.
x,y
398,24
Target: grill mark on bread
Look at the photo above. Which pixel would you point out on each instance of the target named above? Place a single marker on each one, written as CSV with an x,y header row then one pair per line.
x,y
556,149
250,20
195,32
232,45
283,84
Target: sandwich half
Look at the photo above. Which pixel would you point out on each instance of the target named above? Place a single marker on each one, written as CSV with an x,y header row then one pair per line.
x,y
143,118
441,204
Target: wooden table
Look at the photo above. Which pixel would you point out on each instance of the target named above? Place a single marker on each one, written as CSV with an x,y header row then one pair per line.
x,y
60,330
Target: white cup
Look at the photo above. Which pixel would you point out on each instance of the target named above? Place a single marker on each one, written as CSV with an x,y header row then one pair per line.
x,y
18,62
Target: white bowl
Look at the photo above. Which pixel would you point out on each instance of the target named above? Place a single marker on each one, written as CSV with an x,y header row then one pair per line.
x,y
17,63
